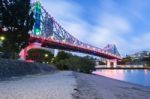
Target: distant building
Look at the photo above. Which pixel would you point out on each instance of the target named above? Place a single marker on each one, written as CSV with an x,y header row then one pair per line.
x,y
139,58
140,55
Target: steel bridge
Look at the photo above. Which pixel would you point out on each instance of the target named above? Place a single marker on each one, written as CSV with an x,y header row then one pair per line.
x,y
49,33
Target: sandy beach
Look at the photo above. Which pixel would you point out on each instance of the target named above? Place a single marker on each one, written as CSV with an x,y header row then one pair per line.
x,y
70,85
50,86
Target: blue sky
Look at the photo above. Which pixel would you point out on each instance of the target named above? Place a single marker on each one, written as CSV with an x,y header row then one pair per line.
x,y
125,23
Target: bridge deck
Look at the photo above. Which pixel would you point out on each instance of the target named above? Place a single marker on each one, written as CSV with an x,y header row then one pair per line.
x,y
50,43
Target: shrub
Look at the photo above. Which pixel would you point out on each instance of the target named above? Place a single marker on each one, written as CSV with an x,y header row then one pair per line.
x,y
40,55
66,61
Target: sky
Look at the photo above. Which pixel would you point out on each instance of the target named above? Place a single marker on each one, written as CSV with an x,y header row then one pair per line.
x,y
125,23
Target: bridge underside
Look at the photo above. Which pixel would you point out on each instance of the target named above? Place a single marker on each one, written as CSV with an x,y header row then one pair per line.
x,y
70,47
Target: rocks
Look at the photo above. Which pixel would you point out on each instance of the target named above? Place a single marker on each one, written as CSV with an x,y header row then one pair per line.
x,y
9,68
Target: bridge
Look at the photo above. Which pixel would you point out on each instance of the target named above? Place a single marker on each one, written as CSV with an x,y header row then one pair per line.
x,y
47,32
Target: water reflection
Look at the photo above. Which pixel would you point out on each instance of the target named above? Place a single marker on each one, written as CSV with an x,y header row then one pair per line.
x,y
136,76
145,71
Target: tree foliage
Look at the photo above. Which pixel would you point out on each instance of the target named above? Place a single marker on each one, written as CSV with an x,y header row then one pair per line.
x,y
40,55
125,61
62,55
146,60
66,61
17,21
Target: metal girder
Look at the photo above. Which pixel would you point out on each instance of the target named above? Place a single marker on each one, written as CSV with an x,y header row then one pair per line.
x,y
112,49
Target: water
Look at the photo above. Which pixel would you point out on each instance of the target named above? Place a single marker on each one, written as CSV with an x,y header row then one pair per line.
x,y
141,77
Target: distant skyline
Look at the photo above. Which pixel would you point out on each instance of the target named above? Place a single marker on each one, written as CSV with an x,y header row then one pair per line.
x,y
125,23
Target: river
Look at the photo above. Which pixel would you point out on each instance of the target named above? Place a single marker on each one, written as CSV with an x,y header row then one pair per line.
x,y
136,76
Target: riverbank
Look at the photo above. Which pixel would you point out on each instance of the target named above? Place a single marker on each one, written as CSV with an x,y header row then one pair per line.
x,y
70,85
99,87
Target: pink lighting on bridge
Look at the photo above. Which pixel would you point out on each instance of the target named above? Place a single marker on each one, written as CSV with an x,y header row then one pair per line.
x,y
66,45
24,51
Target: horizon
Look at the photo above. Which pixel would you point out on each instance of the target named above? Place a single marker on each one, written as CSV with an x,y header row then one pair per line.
x,y
126,27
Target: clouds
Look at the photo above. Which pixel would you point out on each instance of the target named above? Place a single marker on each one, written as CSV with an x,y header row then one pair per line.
x,y
62,9
142,41
111,29
112,26
115,22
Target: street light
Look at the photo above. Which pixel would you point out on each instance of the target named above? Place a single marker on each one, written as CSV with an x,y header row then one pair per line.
x,y
46,55
2,38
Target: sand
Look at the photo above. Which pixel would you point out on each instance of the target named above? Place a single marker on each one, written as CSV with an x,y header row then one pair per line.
x,y
70,85
51,86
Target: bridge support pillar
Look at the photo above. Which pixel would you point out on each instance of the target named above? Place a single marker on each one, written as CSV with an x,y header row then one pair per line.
x,y
108,63
111,63
24,52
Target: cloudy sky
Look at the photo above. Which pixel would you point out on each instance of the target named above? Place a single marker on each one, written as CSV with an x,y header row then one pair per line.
x,y
125,23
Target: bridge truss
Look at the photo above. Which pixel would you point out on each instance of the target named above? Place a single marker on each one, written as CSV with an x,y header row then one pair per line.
x,y
50,33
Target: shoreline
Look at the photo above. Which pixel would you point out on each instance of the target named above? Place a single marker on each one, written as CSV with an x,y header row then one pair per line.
x,y
101,87
126,82
124,68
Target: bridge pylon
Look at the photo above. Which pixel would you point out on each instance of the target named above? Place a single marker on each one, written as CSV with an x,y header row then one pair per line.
x,y
24,52
112,63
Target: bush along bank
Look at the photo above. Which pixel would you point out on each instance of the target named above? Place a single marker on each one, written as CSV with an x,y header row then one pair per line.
x,y
67,61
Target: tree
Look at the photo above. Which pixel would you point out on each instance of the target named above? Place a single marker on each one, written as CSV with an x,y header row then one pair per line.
x,y
67,61
146,60
40,55
17,20
87,65
60,60
125,61
62,55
